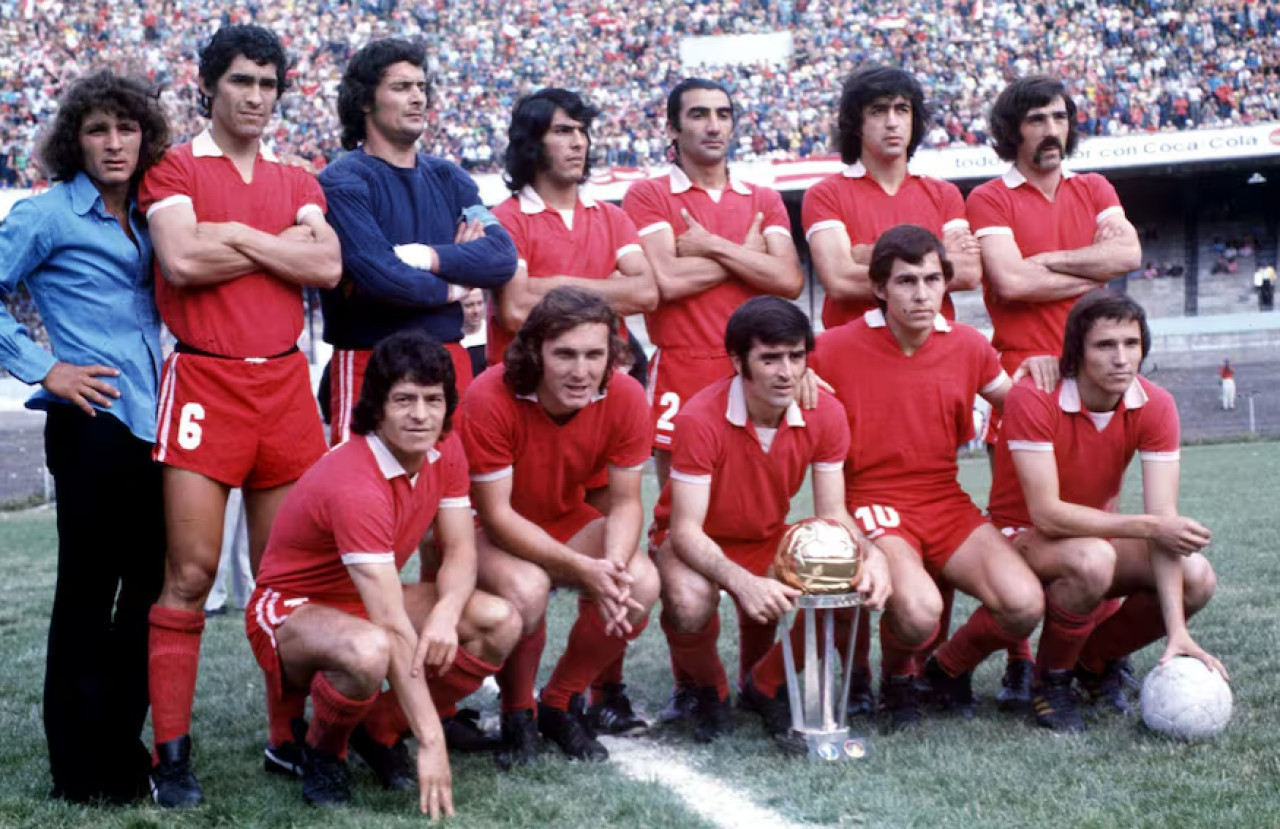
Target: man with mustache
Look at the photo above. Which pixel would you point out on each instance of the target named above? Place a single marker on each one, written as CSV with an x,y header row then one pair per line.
x,y
1048,236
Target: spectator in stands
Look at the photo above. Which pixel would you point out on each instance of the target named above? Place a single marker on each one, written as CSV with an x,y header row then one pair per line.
x,y
85,255
1227,376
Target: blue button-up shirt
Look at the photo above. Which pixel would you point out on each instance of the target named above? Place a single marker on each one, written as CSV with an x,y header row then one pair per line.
x,y
94,290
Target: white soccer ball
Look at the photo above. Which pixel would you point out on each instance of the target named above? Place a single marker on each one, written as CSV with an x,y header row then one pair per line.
x,y
1185,700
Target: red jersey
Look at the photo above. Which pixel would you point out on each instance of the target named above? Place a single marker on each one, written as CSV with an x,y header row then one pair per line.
x,y
254,315
698,322
1011,206
588,246
506,434
718,446
906,414
857,202
1091,449
357,505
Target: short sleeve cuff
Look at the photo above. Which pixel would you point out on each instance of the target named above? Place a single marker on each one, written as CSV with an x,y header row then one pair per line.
x,y
1030,446
1161,457
305,209
496,475
992,231
686,478
352,559
462,502
818,227
654,228
168,201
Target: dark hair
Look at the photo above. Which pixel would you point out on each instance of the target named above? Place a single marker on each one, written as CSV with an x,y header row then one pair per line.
x,y
863,88
675,98
360,81
102,91
530,121
1013,104
1099,305
411,356
765,320
262,46
560,310
905,243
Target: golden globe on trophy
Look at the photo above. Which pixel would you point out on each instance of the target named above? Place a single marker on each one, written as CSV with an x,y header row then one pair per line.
x,y
818,556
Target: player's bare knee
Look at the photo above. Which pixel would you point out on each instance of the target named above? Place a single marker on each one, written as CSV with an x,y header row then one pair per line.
x,y
646,585
528,596
500,628
1199,581
688,611
1092,568
1020,612
365,656
189,582
914,618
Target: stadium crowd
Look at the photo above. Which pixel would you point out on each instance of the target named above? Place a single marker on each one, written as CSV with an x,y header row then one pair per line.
x,y
1133,64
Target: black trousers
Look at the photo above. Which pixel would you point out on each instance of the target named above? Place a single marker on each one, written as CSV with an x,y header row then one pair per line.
x,y
111,546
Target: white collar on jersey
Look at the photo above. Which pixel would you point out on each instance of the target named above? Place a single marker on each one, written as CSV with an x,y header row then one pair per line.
x,y
387,463
533,396
736,413
875,319
1013,179
855,170
681,183
1135,397
203,146
531,202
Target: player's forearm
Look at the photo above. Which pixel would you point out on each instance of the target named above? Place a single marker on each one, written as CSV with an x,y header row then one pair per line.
x,y
411,691
203,257
1031,282
622,531
685,276
455,581
316,261
524,539
1167,568
1061,519
849,282
777,274
968,271
697,549
1099,262
488,262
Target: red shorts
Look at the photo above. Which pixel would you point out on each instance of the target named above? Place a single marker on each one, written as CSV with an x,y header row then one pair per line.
x,y
756,557
935,530
675,375
267,610
246,423
571,523
346,378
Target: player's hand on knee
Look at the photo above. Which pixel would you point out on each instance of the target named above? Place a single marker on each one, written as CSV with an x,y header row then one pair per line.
x,y
435,781
875,585
437,645
1183,645
1179,535
765,599
80,385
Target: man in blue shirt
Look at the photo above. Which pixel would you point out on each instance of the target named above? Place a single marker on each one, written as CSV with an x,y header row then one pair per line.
x,y
83,251
415,235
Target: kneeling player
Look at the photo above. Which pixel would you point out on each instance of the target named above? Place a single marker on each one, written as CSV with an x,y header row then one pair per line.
x,y
742,447
330,614
907,379
537,429
1059,462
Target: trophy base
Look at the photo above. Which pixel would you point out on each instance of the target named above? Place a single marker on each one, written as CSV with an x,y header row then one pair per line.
x,y
839,745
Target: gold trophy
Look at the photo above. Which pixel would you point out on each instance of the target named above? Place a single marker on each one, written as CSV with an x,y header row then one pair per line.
x,y
822,558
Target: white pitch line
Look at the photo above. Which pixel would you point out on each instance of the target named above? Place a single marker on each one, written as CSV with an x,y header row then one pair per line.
x,y
719,804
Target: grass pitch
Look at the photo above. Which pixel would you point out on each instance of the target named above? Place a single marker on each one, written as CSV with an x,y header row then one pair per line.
x,y
993,771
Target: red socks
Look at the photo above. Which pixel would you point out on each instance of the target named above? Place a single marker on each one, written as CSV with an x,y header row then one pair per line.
x,y
1063,637
611,675
695,657
1136,624
172,662
281,712
754,641
519,673
385,720
898,658
589,650
334,716
977,639
464,677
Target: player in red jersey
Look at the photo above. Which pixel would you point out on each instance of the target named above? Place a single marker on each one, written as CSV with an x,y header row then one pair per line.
x,y
907,379
538,429
714,242
563,237
237,236
1048,236
1059,464
329,613
880,125
742,450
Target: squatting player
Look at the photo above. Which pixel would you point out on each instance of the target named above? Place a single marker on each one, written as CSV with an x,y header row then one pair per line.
x,y
237,235
1048,236
538,429
880,125
742,450
1059,463
330,615
415,235
562,236
714,242
907,379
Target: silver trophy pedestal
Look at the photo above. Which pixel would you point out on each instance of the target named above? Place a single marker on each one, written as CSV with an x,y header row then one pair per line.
x,y
819,708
